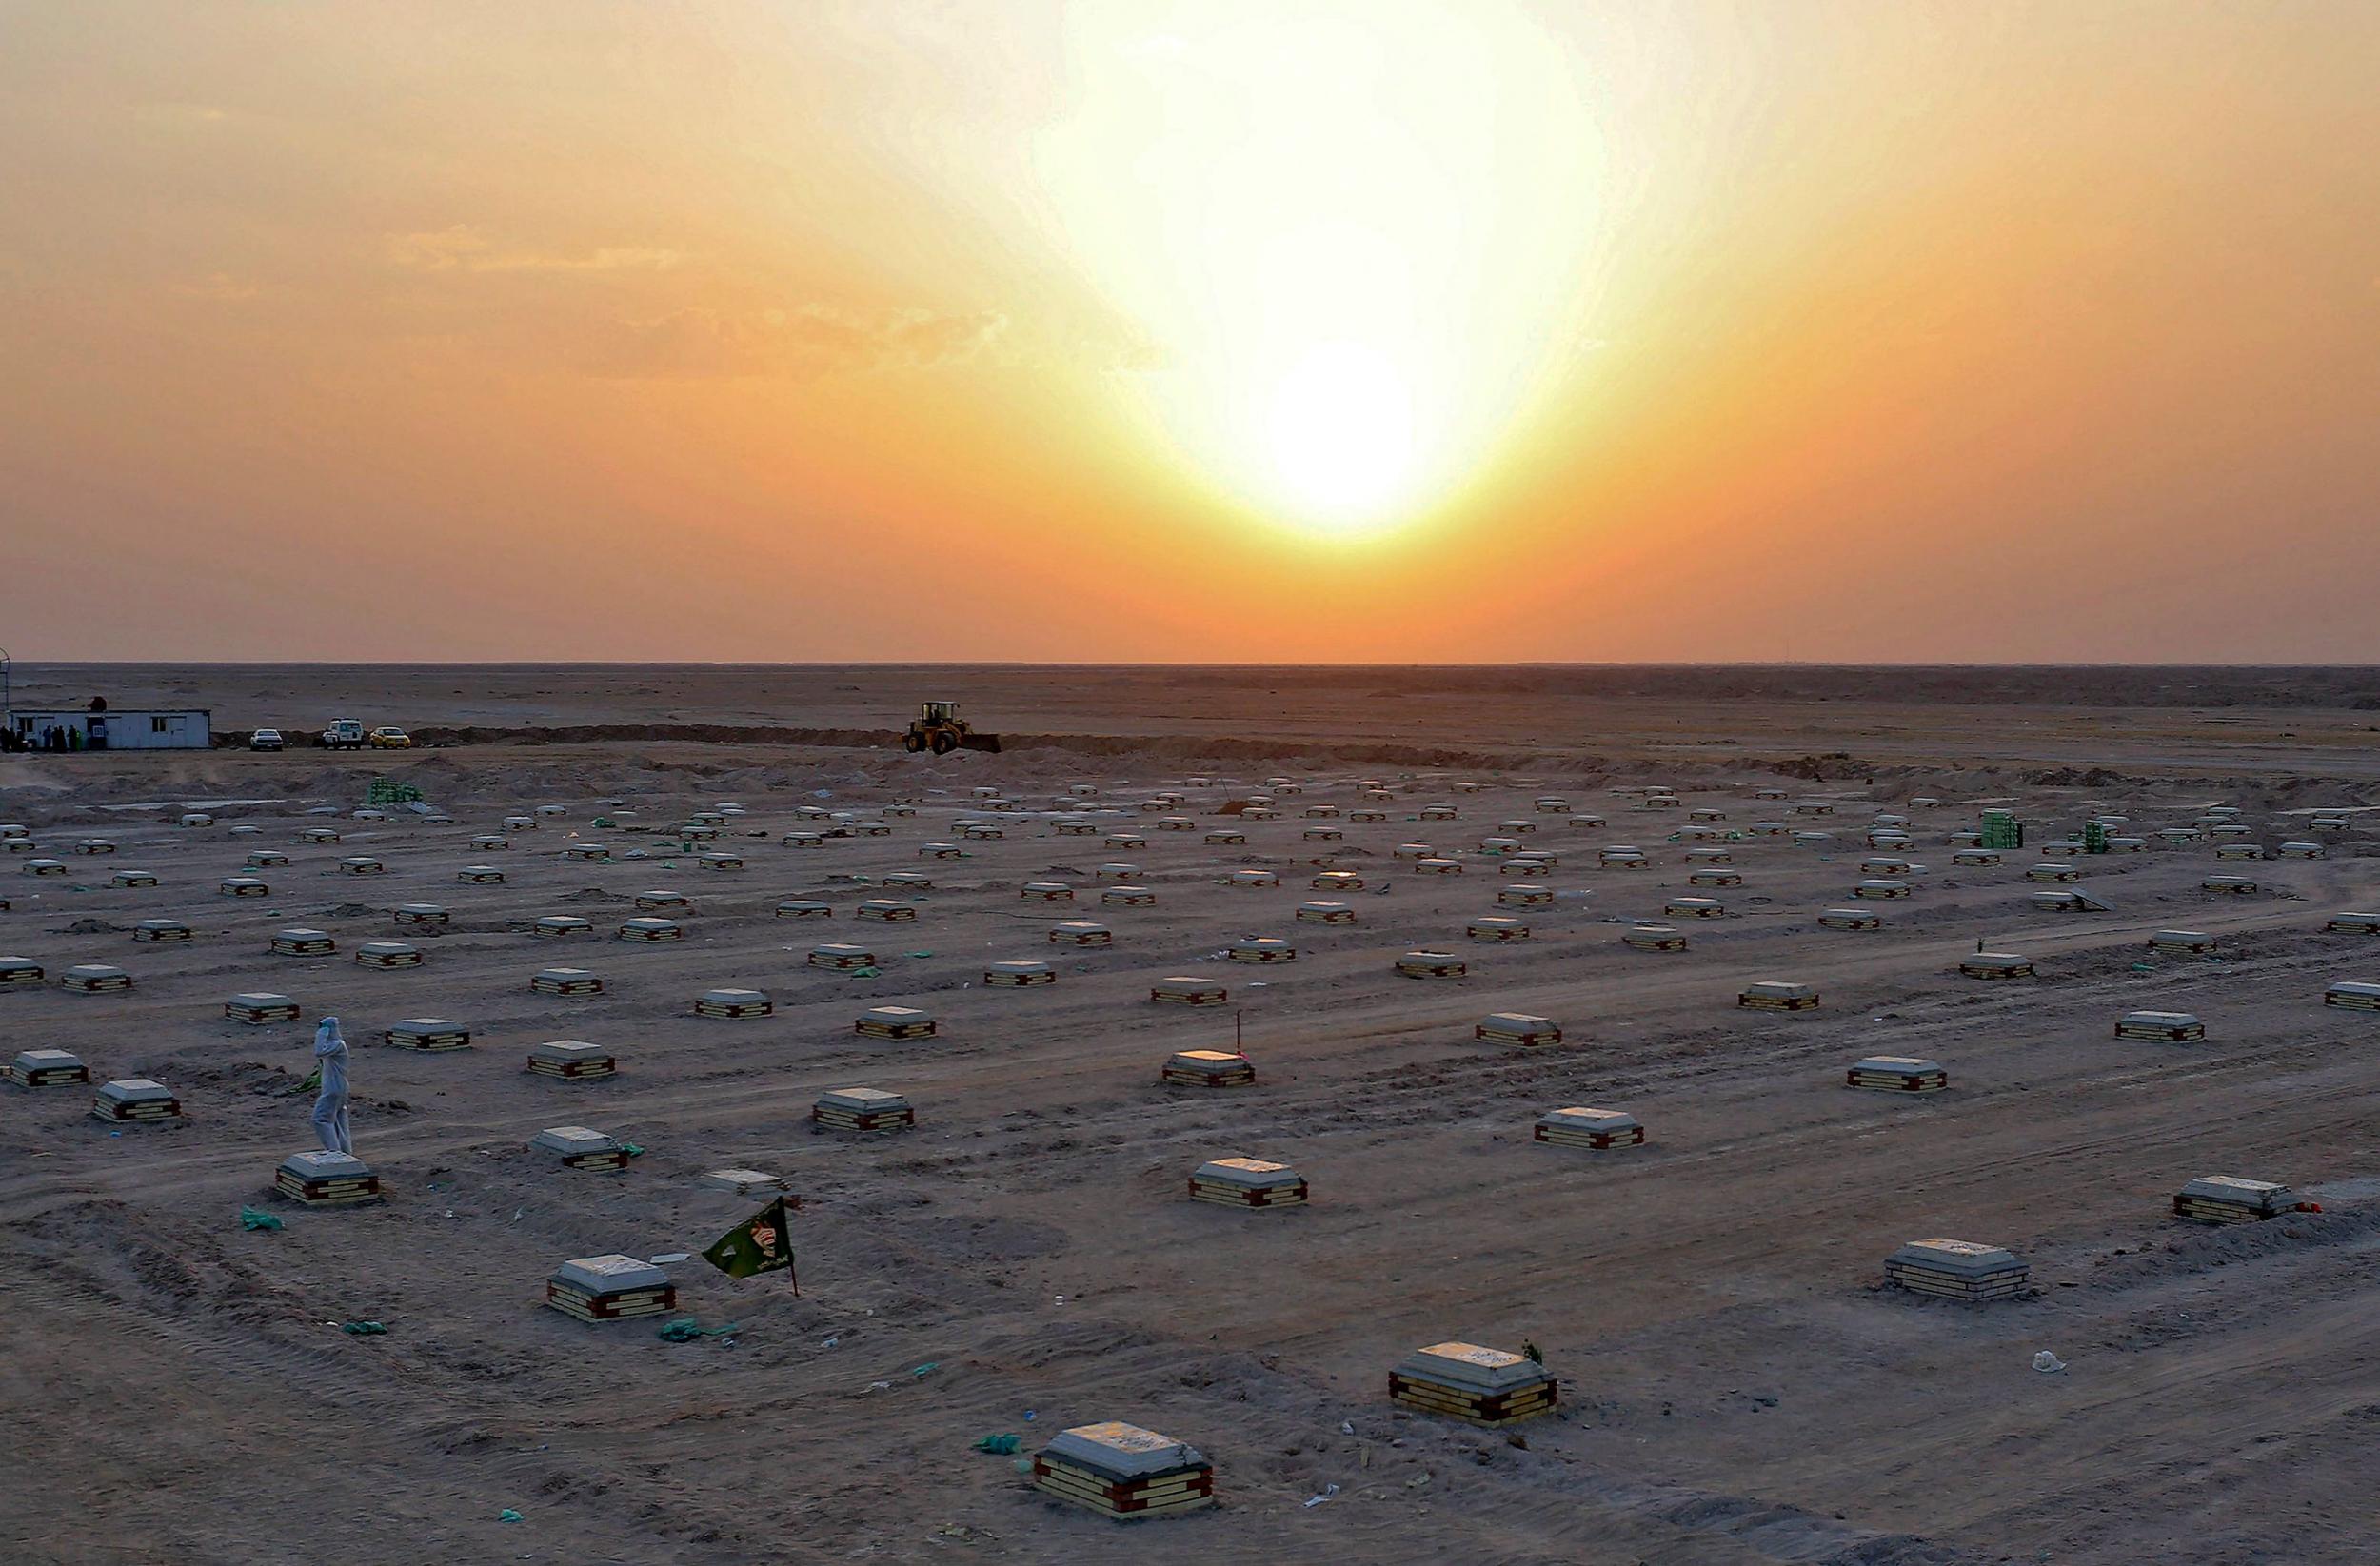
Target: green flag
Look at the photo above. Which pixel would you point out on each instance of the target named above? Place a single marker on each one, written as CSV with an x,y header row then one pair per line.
x,y
762,1244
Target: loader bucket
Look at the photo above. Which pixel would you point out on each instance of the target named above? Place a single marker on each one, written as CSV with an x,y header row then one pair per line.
x,y
981,741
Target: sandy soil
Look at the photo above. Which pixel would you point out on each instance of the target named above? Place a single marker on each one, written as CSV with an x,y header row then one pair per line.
x,y
1739,1386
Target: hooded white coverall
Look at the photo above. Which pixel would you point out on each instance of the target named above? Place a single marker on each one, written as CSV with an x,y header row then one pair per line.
x,y
330,1110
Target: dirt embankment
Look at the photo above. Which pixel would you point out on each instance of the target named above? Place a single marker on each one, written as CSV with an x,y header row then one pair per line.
x,y
1187,748
1191,751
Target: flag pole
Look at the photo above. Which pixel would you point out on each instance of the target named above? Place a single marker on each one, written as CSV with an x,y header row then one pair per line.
x,y
785,1214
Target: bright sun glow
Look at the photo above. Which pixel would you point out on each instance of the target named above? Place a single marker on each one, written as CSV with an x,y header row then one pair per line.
x,y
1352,233
1342,432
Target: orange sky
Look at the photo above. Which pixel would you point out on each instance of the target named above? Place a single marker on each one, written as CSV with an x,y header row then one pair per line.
x,y
1145,330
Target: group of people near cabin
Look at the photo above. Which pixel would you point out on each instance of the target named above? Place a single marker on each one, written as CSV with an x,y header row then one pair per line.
x,y
48,736
58,735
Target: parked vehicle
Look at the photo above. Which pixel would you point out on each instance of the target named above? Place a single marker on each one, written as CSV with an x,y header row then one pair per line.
x,y
343,734
266,739
389,737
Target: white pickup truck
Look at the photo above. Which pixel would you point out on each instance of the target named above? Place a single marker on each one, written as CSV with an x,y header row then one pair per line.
x,y
343,734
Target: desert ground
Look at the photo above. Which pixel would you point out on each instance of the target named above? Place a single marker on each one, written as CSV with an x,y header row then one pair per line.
x,y
1739,1384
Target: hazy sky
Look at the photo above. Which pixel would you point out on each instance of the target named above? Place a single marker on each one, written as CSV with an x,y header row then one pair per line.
x,y
1190,329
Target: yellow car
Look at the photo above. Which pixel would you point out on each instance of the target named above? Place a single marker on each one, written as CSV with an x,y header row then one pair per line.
x,y
391,739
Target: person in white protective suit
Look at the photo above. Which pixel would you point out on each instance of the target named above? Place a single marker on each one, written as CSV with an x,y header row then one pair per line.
x,y
330,1109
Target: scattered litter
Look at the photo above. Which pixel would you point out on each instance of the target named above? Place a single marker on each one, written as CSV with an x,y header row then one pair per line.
x,y
926,1369
830,1342
252,1219
507,1515
998,1446
2046,1362
917,954
1346,1427
666,1258
362,1329
1328,1491
687,1330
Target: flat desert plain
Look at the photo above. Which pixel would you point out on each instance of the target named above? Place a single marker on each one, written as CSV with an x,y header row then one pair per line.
x,y
1739,1384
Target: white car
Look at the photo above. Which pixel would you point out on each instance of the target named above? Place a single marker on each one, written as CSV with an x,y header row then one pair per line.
x,y
266,739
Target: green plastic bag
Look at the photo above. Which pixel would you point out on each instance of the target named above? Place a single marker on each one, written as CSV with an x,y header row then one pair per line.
x,y
252,1219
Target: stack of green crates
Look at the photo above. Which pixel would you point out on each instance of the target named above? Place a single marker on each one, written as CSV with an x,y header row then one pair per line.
x,y
2001,829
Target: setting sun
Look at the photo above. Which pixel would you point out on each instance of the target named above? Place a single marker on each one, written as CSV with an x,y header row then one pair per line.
x,y
1342,434
1347,274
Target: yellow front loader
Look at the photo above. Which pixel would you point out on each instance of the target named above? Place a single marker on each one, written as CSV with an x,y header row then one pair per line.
x,y
939,729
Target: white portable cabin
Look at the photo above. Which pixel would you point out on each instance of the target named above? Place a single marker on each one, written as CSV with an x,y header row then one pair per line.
x,y
190,728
